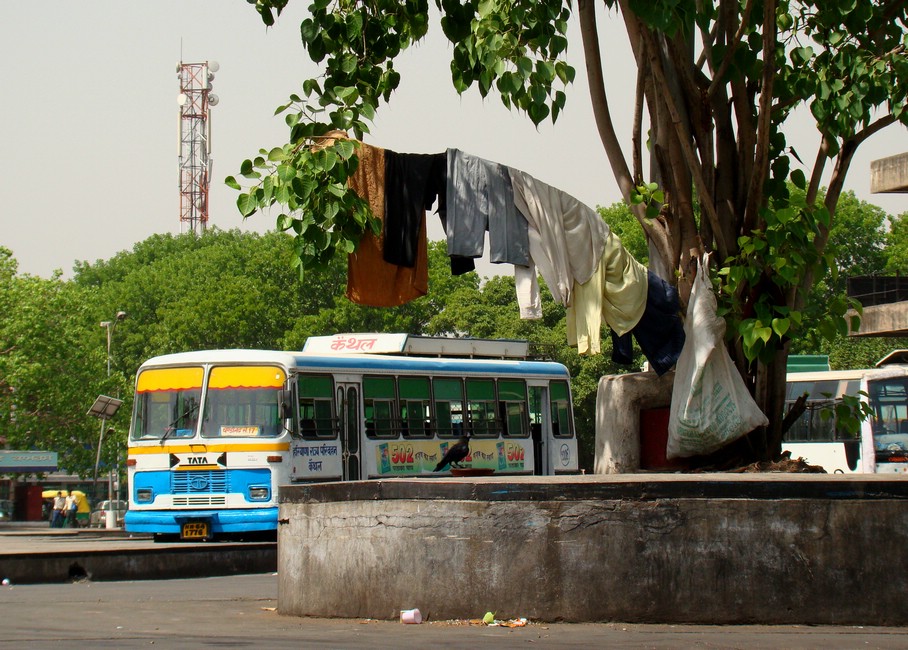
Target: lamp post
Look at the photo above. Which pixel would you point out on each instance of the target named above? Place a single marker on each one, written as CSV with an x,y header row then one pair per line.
x,y
110,326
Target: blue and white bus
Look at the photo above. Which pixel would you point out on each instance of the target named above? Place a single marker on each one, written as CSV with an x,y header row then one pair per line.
x,y
215,433
881,446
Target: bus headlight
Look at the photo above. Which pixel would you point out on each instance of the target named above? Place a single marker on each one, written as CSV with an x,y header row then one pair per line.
x,y
144,495
258,493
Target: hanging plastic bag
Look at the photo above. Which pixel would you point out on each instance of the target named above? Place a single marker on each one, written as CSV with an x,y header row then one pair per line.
x,y
711,405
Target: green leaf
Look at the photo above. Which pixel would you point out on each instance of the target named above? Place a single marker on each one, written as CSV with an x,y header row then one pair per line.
x,y
780,326
538,112
525,66
246,204
267,189
345,148
231,182
286,173
304,187
276,155
284,222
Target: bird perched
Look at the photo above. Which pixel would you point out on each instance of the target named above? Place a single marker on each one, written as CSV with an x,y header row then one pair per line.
x,y
455,454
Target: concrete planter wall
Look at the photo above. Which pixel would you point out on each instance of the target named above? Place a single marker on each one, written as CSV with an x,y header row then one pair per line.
x,y
671,549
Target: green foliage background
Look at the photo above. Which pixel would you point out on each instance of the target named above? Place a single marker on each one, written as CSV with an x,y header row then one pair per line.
x,y
228,289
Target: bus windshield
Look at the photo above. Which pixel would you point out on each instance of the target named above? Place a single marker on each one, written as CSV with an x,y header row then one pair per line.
x,y
243,401
167,403
889,402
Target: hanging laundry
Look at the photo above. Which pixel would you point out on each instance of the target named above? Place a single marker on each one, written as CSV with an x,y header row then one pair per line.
x,y
659,333
528,299
480,198
371,280
413,182
566,237
617,292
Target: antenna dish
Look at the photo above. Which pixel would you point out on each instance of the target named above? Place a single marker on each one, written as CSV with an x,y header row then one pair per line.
x,y
213,99
179,67
214,66
181,99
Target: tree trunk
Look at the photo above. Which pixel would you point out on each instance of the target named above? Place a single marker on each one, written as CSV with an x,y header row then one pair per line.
x,y
770,397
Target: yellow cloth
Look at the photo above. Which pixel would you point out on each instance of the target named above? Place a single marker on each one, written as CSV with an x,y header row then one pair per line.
x,y
615,292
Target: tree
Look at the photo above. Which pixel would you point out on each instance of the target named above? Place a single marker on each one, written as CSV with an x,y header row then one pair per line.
x,y
52,367
621,220
717,81
897,245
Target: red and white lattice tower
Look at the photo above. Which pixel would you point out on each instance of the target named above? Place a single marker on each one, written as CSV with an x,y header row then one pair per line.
x,y
195,100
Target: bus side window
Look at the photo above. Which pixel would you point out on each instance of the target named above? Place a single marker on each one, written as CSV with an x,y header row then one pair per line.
x,y
448,403
415,407
379,401
483,415
316,407
561,410
512,396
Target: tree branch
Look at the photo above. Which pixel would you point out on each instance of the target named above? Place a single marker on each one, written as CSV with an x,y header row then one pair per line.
x,y
637,133
836,184
730,52
604,124
685,142
764,118
846,155
601,112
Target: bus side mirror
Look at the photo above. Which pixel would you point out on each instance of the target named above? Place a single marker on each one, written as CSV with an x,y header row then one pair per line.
x,y
286,404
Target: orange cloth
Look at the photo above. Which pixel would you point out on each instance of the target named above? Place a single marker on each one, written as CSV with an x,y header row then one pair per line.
x,y
370,280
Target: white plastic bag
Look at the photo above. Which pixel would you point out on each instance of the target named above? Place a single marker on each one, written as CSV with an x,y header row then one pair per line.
x,y
711,405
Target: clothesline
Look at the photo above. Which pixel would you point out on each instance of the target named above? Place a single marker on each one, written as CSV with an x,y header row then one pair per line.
x,y
530,224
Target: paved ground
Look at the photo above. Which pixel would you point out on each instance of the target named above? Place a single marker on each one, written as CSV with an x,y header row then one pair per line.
x,y
239,611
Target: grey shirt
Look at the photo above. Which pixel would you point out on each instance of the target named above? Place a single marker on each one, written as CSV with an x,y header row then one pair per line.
x,y
480,198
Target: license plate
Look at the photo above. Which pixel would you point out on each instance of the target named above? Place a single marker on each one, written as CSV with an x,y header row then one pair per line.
x,y
194,530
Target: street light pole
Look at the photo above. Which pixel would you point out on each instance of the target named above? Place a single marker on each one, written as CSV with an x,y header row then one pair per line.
x,y
111,522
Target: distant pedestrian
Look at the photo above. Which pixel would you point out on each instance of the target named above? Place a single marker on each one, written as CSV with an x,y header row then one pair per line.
x,y
70,506
58,516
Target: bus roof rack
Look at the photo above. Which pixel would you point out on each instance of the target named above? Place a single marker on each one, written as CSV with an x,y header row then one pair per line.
x,y
423,346
894,357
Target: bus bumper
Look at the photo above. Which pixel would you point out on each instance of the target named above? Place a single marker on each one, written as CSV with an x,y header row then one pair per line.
x,y
240,520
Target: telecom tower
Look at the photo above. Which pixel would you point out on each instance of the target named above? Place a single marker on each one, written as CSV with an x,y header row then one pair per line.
x,y
195,100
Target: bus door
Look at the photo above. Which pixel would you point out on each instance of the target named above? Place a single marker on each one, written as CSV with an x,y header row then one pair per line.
x,y
540,428
349,418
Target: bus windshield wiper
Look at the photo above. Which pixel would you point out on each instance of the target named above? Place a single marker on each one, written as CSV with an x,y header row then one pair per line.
x,y
170,428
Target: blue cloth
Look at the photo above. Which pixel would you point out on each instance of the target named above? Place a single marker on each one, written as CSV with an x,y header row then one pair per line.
x,y
660,332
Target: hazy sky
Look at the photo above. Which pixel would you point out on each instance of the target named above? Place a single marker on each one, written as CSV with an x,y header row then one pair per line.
x,y
89,120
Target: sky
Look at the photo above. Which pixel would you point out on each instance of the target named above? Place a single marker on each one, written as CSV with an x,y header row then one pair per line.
x,y
89,120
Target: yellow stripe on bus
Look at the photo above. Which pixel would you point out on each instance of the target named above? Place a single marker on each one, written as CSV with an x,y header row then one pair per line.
x,y
169,379
189,449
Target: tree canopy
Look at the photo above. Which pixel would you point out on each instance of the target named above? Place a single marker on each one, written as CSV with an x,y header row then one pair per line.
x,y
236,290
716,82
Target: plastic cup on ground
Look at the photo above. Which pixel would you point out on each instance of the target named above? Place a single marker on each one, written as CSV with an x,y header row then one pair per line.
x,y
410,616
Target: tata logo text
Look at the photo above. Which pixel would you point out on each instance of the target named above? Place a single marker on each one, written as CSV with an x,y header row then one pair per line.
x,y
197,460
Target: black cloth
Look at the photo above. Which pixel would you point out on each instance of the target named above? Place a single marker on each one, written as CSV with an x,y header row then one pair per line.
x,y
660,332
413,182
